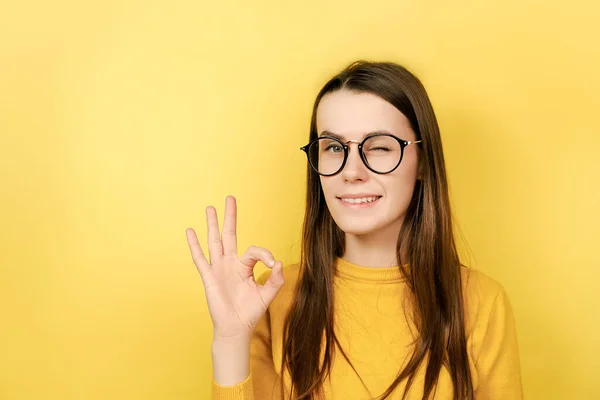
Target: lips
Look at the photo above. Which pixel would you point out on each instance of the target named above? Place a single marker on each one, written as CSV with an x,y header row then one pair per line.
x,y
359,199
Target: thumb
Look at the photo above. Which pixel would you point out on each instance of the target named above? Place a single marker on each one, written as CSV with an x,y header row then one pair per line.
x,y
272,286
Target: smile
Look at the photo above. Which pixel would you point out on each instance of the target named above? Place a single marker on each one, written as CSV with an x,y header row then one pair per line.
x,y
359,201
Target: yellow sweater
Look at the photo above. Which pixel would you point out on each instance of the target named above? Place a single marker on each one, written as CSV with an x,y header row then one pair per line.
x,y
375,335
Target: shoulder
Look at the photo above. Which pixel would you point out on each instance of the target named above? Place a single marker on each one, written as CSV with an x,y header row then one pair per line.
x,y
479,287
486,303
480,292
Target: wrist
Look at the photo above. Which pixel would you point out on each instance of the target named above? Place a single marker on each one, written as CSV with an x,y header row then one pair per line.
x,y
238,340
231,360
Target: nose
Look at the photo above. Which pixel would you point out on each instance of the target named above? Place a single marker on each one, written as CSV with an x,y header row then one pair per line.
x,y
355,169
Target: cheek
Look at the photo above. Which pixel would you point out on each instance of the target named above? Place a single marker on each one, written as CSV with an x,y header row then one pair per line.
x,y
326,187
330,188
323,185
400,187
327,184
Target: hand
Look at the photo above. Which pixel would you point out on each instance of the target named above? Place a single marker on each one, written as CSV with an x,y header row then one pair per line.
x,y
235,301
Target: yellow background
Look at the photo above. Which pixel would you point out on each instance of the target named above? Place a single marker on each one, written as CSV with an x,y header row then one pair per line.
x,y
121,121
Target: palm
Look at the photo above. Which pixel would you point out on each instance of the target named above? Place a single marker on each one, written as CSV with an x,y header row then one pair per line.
x,y
235,301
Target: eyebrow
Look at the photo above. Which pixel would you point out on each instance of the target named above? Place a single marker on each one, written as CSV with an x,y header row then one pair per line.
x,y
342,138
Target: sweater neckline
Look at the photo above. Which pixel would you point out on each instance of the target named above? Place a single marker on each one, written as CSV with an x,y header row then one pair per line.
x,y
345,269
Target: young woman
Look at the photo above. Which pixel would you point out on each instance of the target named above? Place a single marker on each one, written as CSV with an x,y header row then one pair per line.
x,y
380,305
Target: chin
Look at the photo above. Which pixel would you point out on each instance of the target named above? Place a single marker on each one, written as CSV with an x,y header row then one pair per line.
x,y
357,227
368,224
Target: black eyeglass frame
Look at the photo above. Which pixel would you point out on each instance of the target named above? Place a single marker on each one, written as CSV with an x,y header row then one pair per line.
x,y
403,143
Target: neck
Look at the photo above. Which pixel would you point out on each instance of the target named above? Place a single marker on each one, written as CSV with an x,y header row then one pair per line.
x,y
375,249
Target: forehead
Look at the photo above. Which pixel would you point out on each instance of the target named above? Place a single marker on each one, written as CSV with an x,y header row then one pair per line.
x,y
352,115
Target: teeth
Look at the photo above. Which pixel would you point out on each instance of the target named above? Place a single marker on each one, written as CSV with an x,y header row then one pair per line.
x,y
360,200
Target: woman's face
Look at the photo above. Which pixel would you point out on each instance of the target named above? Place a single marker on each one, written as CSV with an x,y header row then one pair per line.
x,y
353,115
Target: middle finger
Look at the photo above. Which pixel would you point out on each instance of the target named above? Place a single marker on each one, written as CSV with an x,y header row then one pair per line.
x,y
229,237
215,247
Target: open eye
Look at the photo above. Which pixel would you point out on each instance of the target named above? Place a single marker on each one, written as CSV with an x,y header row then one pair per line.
x,y
334,148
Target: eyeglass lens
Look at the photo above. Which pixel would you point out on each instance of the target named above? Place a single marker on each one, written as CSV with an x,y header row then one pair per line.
x,y
382,154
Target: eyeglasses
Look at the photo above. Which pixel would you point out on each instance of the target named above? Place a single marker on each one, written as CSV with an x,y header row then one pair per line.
x,y
381,153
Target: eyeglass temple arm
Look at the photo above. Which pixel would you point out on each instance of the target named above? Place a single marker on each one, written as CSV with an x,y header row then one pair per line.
x,y
408,142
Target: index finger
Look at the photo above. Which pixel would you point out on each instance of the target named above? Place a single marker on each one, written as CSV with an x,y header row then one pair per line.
x,y
229,235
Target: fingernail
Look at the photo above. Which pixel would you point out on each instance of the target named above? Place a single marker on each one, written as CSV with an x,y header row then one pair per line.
x,y
272,263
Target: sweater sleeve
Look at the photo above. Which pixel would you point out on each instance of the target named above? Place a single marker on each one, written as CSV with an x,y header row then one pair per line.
x,y
262,383
498,365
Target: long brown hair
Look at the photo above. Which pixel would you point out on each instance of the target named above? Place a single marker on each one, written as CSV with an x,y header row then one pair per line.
x,y
426,239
